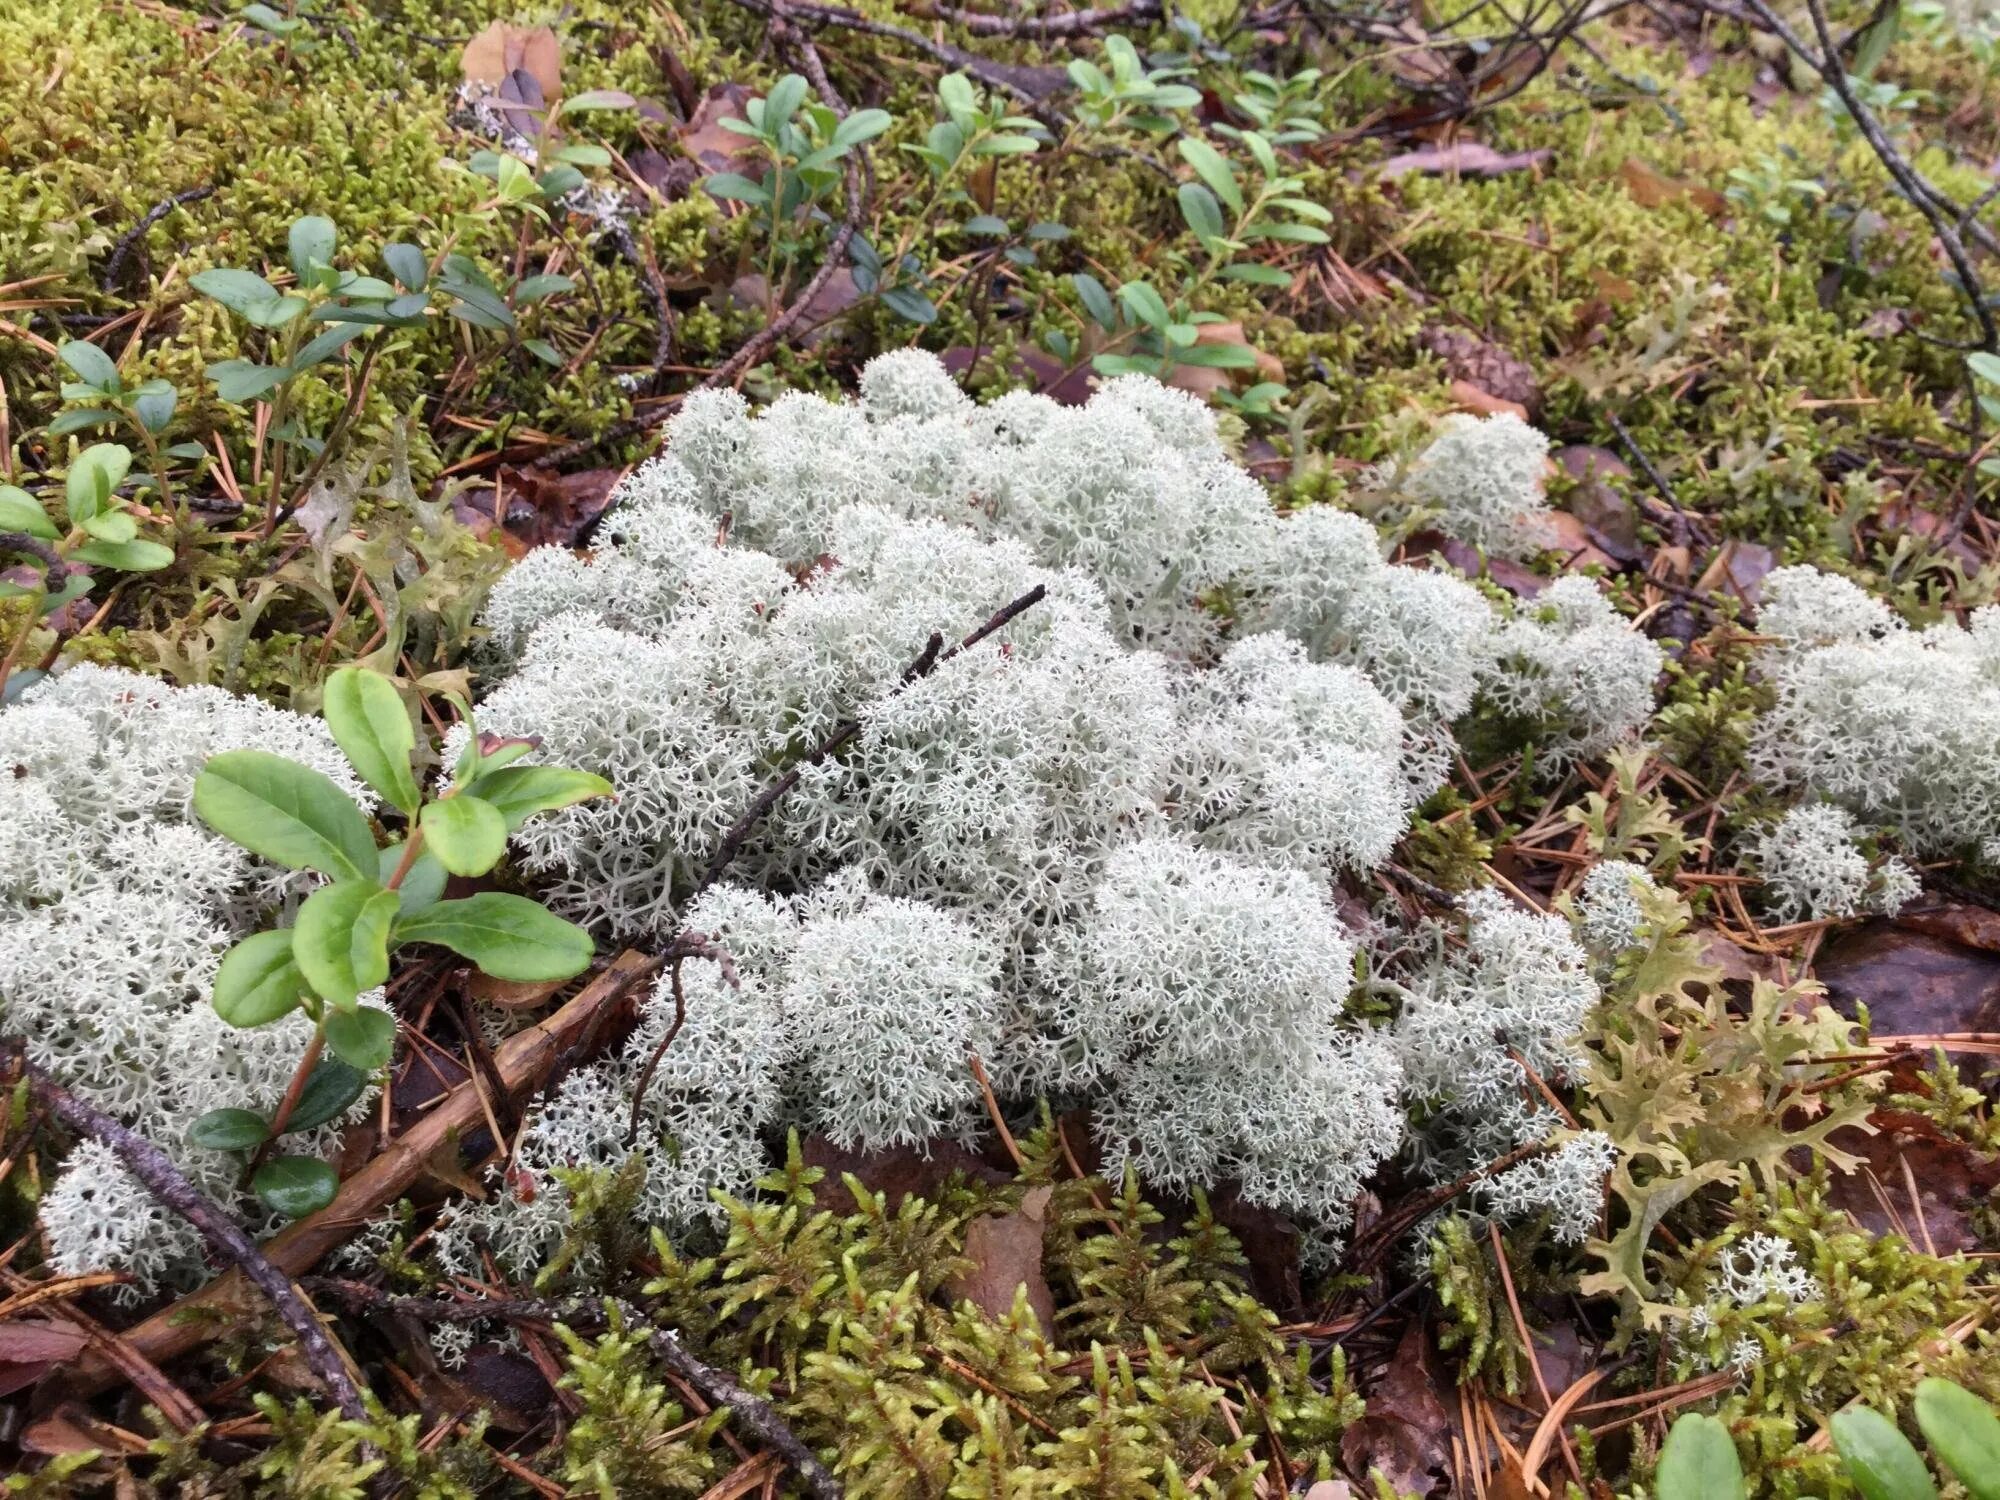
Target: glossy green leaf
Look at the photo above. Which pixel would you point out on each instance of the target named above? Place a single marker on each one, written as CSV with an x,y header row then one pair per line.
x,y
363,1038
1964,1432
508,937
127,557
369,723
1096,301
230,1130
243,380
236,290
786,95
275,314
341,939
407,264
259,981
1879,1459
535,288
311,243
94,478
519,792
20,511
153,404
1213,168
597,99
862,125
294,1186
328,342
466,833
1144,304
423,883
81,419
734,187
329,1093
92,364
112,526
1699,1462
287,812
1199,208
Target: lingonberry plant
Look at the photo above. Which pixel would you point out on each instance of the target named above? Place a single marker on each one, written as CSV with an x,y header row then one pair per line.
x,y
375,901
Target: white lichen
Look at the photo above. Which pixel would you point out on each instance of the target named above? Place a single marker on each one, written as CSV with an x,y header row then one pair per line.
x,y
116,907
1814,868
1900,726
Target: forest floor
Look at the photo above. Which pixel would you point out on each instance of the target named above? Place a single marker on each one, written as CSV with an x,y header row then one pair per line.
x,y
1747,288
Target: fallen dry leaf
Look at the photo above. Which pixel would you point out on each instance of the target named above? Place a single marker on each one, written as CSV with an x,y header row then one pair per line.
x,y
1610,519
1006,1255
1649,187
712,148
1483,403
502,49
1569,536
31,1347
1740,567
1950,1178
1465,157
895,1173
1958,922
1407,1431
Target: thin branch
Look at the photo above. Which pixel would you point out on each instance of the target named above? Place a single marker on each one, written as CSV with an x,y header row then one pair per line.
x,y
221,1233
1943,214
732,842
752,1413
686,945
153,215
19,541
1075,23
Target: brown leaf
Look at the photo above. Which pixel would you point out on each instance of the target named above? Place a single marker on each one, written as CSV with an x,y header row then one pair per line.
x,y
1569,536
1206,380
502,49
1006,1255
503,1384
1651,188
71,1429
1740,568
1912,984
712,148
1465,157
540,508
1483,403
1610,519
895,1173
1270,1243
1407,1432
31,1347
832,299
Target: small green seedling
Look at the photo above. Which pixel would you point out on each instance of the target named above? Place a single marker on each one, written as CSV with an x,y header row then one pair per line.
x,y
97,530
375,901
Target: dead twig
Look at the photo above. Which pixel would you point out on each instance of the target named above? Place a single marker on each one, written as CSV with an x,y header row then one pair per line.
x,y
131,237
227,1301
685,946
752,1413
226,1238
